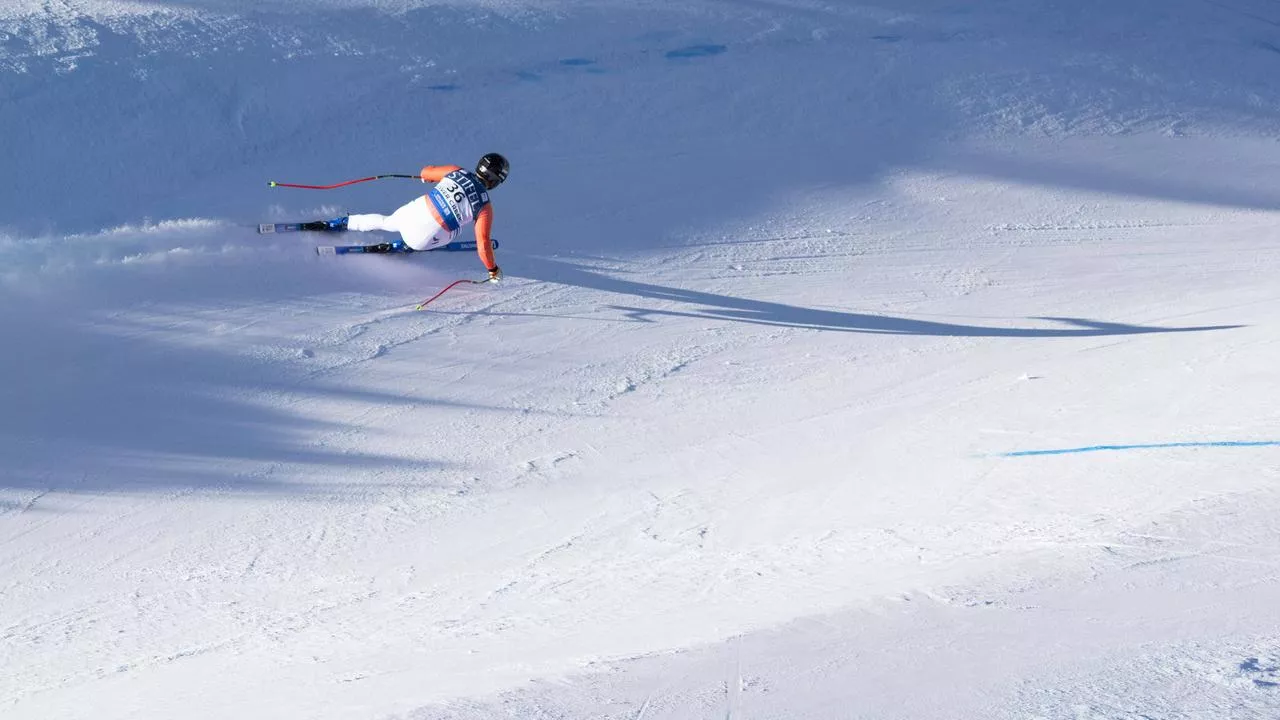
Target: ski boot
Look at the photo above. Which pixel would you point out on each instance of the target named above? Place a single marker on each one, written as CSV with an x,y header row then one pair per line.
x,y
335,225
396,246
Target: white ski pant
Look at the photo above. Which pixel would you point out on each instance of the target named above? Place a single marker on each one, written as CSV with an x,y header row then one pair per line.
x,y
414,221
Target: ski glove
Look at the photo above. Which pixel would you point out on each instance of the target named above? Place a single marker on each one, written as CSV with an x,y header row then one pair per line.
x,y
495,274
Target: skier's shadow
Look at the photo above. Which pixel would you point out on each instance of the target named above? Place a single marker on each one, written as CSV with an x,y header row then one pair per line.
x,y
712,306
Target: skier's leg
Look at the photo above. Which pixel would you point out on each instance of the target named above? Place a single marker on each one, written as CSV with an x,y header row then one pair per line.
x,y
370,222
418,227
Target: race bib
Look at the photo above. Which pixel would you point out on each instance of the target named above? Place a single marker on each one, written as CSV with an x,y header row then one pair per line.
x,y
459,198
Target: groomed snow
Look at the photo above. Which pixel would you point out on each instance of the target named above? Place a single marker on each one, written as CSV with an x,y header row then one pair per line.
x,y
903,360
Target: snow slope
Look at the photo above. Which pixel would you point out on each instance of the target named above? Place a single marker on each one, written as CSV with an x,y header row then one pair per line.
x,y
900,361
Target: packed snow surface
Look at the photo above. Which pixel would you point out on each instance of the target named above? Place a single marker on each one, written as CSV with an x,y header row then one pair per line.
x,y
911,359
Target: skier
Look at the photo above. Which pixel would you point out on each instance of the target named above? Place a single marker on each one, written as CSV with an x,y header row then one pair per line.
x,y
458,197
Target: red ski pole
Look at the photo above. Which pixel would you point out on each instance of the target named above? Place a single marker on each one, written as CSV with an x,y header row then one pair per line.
x,y
273,183
449,287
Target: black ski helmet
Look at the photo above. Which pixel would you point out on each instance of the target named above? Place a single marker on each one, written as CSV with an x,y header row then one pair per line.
x,y
492,169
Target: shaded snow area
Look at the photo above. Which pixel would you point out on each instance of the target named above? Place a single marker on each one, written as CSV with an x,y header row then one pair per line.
x,y
899,360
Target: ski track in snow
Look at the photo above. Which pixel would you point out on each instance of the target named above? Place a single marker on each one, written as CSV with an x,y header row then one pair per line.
x,y
731,437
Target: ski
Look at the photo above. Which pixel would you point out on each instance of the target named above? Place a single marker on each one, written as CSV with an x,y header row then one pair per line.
x,y
272,228
379,248
389,249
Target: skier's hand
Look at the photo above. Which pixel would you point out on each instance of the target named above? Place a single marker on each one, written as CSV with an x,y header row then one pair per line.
x,y
495,274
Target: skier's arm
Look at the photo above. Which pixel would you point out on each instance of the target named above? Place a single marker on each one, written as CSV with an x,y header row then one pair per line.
x,y
484,246
436,173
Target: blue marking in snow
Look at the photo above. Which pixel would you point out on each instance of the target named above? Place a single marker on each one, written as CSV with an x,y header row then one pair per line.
x,y
697,51
577,61
443,88
1269,47
1152,446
